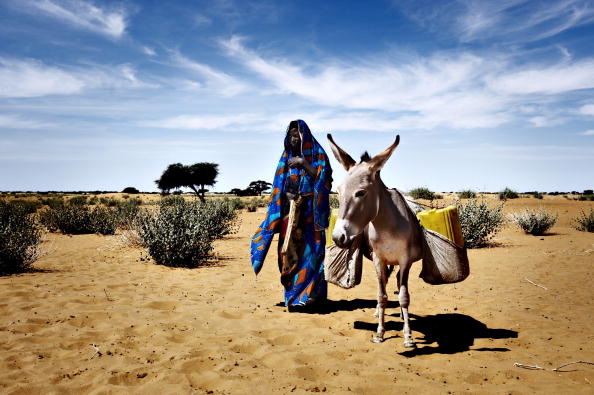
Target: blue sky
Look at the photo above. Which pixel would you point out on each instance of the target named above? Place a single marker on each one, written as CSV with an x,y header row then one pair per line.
x,y
101,95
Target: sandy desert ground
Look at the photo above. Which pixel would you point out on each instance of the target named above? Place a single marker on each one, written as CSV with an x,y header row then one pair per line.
x,y
98,317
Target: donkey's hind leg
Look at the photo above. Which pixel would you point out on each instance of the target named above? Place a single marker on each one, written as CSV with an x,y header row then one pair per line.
x,y
389,270
404,299
382,300
397,282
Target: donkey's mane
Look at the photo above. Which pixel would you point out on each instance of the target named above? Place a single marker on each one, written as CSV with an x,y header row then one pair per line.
x,y
365,157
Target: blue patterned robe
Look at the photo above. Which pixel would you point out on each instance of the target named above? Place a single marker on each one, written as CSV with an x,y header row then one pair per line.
x,y
305,282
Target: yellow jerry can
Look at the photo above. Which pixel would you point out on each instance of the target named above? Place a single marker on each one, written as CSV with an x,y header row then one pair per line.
x,y
444,221
332,222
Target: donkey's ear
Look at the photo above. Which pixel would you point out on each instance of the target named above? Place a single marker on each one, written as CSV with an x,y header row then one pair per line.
x,y
341,155
377,162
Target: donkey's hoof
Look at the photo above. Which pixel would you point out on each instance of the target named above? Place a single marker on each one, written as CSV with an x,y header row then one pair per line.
x,y
377,338
409,344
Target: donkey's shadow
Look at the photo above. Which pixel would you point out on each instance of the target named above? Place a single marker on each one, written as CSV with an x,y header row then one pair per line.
x,y
453,333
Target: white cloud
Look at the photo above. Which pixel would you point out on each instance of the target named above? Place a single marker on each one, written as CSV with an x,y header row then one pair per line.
x,y
453,89
82,14
18,122
587,109
149,51
28,78
422,93
220,82
201,20
236,122
505,20
31,78
546,80
588,133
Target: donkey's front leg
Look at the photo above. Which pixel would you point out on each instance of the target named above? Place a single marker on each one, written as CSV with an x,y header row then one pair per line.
x,y
404,299
382,300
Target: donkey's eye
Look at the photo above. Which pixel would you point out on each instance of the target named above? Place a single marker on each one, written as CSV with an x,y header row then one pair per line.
x,y
360,193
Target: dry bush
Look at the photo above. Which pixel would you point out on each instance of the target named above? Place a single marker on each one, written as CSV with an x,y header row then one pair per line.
x,y
479,223
534,222
19,239
585,222
181,233
80,219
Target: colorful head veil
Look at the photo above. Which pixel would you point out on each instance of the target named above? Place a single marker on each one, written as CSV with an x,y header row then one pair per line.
x,y
318,186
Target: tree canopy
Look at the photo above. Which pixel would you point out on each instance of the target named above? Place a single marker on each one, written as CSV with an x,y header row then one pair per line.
x,y
254,189
195,176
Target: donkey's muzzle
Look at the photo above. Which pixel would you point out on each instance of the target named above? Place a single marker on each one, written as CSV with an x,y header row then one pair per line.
x,y
340,236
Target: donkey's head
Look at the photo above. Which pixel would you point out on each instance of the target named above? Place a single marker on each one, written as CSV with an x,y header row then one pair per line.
x,y
359,193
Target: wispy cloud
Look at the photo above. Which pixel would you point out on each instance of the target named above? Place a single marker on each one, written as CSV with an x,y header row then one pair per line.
x,y
423,87
9,121
553,79
510,20
588,133
201,20
587,109
31,78
218,81
81,14
453,89
207,122
28,78
149,51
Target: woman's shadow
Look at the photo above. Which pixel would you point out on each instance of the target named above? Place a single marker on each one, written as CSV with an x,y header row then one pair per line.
x,y
453,333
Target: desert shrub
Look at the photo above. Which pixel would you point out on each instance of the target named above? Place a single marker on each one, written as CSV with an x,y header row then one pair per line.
x,y
127,211
93,201
53,202
28,206
236,203
181,234
508,194
535,222
479,223
78,200
19,239
171,200
252,205
334,201
467,194
104,220
422,193
584,222
537,195
109,202
76,219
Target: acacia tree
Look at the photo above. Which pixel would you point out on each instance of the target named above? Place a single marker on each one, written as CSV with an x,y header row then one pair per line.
x,y
172,178
202,174
196,177
259,186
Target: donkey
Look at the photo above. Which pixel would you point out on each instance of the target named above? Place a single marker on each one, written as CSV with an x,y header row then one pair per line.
x,y
389,227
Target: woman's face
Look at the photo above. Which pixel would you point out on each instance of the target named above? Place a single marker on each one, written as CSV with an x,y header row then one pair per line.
x,y
294,139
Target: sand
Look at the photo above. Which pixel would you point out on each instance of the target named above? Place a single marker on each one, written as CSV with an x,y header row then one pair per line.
x,y
99,317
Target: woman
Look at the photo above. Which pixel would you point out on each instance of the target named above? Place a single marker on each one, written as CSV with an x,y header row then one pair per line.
x,y
304,176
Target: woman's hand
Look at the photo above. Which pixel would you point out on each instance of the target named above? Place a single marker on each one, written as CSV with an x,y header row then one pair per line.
x,y
296,162
299,162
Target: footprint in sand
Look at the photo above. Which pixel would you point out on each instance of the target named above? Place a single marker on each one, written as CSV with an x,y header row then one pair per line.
x,y
162,305
233,316
283,340
129,378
